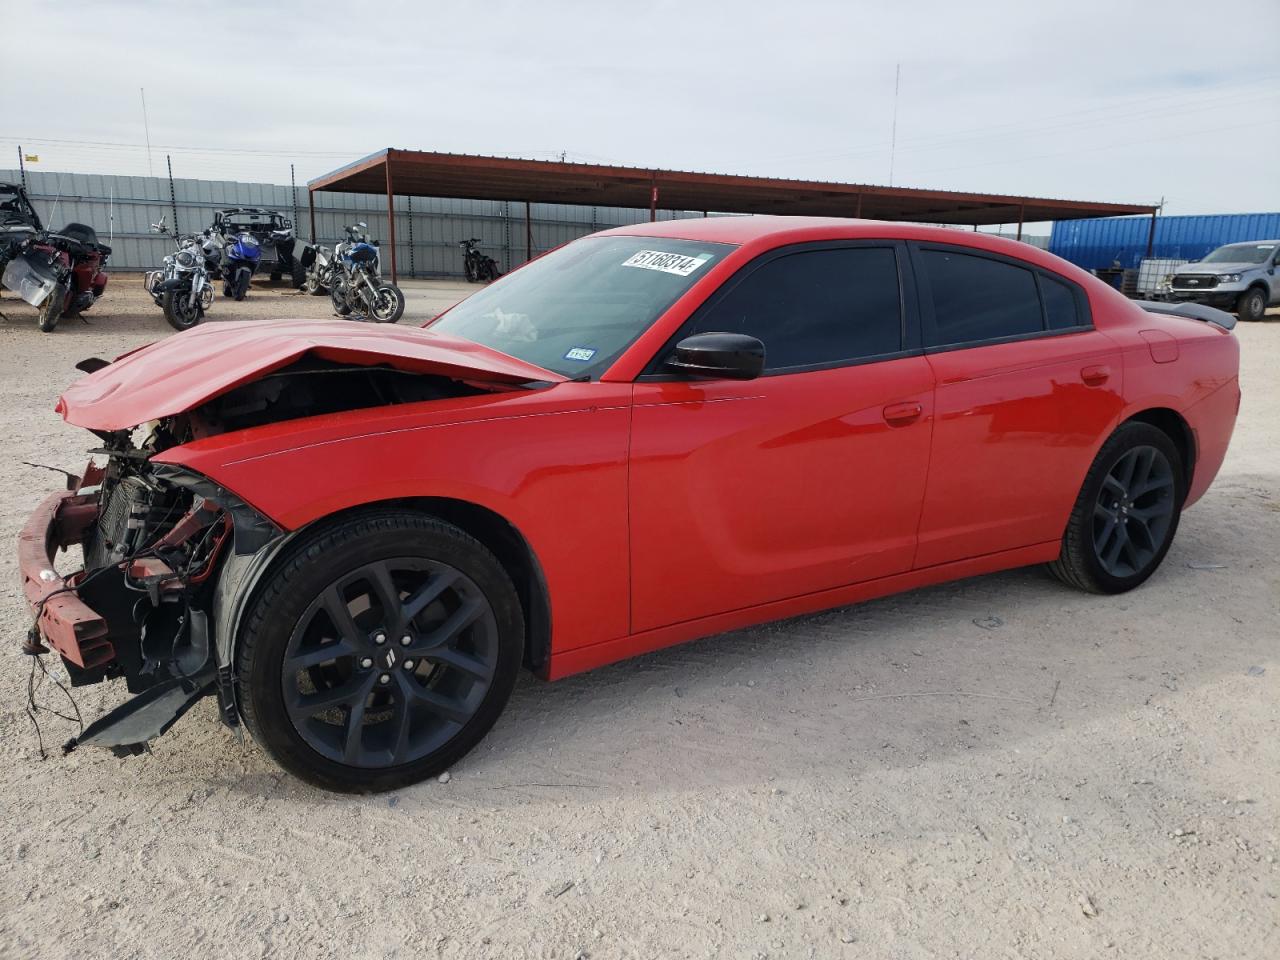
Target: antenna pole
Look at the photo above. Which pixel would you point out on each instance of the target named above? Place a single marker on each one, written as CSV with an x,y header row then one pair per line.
x,y
22,167
173,197
146,127
893,135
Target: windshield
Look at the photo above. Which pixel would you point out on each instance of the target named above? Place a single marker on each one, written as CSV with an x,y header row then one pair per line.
x,y
1241,253
577,308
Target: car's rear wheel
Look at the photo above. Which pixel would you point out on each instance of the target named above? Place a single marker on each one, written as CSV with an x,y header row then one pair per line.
x,y
1252,305
1127,513
379,652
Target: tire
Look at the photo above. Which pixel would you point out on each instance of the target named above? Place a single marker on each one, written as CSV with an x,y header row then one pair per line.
x,y
1123,520
1252,304
176,311
240,286
275,277
389,305
338,297
302,715
51,310
298,274
468,267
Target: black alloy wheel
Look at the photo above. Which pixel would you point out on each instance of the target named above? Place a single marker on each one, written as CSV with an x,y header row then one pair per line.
x,y
378,651
1133,511
1126,514
389,662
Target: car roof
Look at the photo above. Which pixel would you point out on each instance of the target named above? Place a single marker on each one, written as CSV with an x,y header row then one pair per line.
x,y
766,232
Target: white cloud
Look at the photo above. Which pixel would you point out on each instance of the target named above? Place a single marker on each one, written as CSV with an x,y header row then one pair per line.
x,y
1100,101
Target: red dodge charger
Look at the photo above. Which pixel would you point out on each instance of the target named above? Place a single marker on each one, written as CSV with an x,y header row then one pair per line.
x,y
355,536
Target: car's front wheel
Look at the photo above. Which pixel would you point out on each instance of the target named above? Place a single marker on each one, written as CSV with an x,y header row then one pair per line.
x,y
379,651
1252,305
1126,514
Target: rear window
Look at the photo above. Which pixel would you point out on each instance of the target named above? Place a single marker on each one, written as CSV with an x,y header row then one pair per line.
x,y
1061,305
977,299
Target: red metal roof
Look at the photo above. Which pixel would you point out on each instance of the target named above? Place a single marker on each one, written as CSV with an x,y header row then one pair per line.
x,y
425,174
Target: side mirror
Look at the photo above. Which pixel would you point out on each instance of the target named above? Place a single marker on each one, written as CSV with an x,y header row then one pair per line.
x,y
160,227
728,356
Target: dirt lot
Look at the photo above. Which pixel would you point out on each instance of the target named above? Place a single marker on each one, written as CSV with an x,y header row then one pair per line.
x,y
995,768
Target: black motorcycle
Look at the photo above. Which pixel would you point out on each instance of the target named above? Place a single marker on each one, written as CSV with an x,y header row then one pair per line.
x,y
478,267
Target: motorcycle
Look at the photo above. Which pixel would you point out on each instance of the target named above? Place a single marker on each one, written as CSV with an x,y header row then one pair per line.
x,y
182,288
357,284
59,273
478,267
240,258
317,260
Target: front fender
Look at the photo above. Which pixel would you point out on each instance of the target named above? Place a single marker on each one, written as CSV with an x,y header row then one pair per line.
x,y
551,463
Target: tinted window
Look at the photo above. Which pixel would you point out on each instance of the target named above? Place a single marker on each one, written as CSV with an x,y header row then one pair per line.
x,y
1059,304
820,306
978,299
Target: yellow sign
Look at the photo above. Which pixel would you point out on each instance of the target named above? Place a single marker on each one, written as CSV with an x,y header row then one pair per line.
x,y
31,158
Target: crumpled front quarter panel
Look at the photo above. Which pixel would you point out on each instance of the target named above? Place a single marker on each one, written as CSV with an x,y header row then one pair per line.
x,y
552,462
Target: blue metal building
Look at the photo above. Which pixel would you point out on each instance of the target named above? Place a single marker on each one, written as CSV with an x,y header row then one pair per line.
x,y
1104,242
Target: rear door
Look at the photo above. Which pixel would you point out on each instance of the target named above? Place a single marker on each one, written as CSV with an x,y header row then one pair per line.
x,y
1026,390
807,478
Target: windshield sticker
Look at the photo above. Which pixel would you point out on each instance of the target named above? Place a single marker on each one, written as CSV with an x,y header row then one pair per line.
x,y
580,353
676,263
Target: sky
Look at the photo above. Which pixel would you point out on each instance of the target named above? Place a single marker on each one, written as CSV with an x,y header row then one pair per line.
x,y
1116,101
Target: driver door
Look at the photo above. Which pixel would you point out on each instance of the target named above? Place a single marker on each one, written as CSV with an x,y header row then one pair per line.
x,y
808,478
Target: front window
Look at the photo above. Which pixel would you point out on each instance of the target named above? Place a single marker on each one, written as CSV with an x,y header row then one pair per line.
x,y
575,310
1241,253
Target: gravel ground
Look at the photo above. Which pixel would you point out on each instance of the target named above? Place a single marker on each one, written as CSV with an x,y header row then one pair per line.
x,y
994,768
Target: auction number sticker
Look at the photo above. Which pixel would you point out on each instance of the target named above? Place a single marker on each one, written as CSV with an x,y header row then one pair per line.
x,y
677,263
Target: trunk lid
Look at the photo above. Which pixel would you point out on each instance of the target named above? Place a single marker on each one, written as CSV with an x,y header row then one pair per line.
x,y
188,369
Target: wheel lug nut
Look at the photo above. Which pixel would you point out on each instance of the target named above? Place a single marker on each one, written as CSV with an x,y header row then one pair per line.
x,y
366,662
384,679
379,638
406,640
408,664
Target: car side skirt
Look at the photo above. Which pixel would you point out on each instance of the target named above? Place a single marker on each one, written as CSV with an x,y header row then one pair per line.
x,y
570,662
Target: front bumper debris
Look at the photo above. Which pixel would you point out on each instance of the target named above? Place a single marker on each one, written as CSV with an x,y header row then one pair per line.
x,y
66,622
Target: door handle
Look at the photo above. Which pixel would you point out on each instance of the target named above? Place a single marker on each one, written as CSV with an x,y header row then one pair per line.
x,y
900,414
1095,375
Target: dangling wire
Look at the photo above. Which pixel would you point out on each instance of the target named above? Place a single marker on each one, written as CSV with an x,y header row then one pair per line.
x,y
33,707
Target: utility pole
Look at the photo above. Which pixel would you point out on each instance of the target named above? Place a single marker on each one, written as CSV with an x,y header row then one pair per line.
x,y
146,127
893,134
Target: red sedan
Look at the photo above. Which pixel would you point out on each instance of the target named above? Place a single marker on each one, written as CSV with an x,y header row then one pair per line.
x,y
355,536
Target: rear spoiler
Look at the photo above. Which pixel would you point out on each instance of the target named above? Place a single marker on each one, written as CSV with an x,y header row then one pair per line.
x,y
1193,311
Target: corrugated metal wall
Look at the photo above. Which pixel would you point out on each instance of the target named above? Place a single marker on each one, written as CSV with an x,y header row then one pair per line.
x,y
122,209
1097,244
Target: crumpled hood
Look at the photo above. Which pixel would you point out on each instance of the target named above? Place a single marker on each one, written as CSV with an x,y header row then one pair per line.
x,y
185,370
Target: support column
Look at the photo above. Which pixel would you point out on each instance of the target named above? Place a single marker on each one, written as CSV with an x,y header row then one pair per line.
x,y
1151,236
653,200
311,203
528,234
1021,211
858,211
391,218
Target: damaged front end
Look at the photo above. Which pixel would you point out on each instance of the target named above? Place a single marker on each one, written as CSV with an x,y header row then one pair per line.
x,y
153,538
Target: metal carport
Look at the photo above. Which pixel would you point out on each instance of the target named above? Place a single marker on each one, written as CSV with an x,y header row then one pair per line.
x,y
419,173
